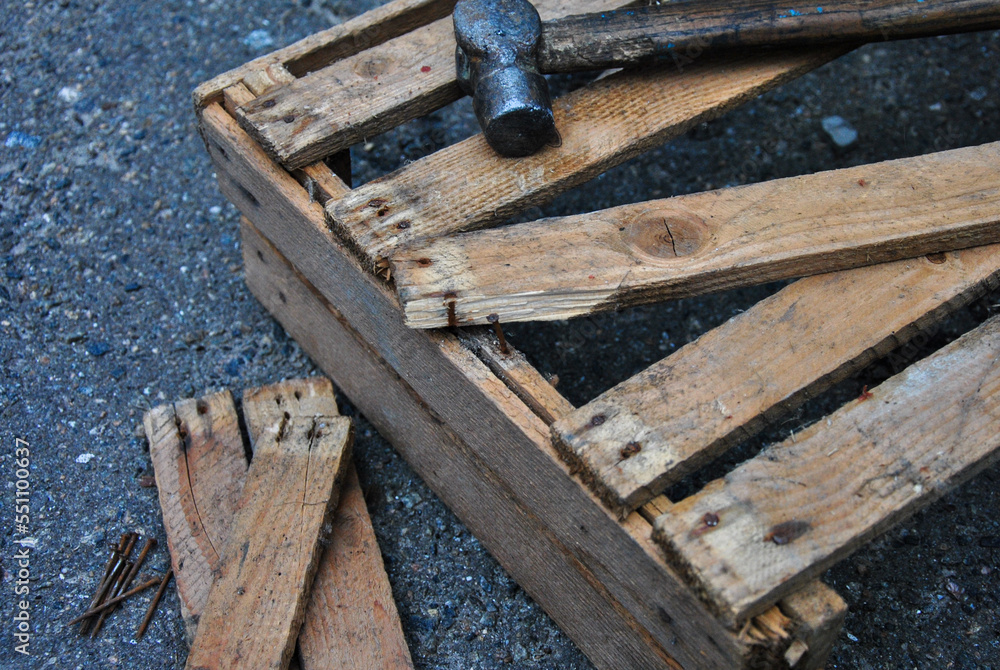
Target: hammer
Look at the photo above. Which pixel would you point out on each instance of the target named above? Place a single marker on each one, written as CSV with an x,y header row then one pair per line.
x,y
504,49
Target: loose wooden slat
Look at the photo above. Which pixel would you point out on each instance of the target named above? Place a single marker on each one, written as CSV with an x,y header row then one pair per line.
x,y
258,599
716,240
692,405
351,618
605,123
351,621
800,506
200,465
370,92
320,49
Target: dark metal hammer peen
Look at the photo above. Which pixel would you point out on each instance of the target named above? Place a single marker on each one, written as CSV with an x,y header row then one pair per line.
x,y
504,49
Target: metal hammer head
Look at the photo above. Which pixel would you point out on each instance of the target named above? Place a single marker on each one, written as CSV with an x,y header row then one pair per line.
x,y
497,43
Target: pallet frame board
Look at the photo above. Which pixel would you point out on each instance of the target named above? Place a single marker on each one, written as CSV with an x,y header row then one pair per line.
x,y
472,420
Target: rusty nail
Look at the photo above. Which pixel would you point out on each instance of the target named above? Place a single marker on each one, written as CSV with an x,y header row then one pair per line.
x,y
156,601
495,320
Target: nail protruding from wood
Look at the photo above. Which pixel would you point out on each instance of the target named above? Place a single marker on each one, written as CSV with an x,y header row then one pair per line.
x,y
495,320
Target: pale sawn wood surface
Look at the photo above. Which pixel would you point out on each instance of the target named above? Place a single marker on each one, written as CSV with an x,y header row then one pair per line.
x,y
200,464
367,93
601,125
691,406
791,512
258,598
703,242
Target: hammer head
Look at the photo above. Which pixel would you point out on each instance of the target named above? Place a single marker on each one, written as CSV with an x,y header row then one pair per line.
x,y
497,66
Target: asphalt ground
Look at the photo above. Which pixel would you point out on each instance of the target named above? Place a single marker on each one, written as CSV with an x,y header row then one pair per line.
x,y
122,288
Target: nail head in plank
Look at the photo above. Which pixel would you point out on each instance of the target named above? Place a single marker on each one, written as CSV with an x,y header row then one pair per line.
x,y
691,406
801,505
199,463
716,240
603,124
369,92
258,599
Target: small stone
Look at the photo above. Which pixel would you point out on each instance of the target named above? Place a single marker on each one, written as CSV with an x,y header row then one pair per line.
x,y
68,94
840,131
132,287
98,348
978,94
147,481
18,139
258,39
84,458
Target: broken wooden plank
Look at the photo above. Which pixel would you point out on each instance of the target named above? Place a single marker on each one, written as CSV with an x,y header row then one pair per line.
x,y
370,92
711,241
346,39
352,621
794,510
200,464
691,406
258,599
351,618
601,125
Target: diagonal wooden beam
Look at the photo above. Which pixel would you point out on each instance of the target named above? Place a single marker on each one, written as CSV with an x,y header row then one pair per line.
x,y
717,240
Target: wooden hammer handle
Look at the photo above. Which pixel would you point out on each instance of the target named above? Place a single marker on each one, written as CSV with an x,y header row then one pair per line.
x,y
685,29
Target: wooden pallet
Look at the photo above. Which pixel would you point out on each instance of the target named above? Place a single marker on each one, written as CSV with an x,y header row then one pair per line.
x,y
568,499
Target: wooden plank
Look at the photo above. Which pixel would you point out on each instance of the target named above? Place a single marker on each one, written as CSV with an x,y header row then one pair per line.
x,y
370,92
320,49
818,614
258,599
200,465
351,620
692,405
605,123
802,505
711,241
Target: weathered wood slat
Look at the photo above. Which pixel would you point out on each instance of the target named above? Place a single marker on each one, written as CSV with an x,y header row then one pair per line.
x,y
605,123
200,464
791,512
692,405
351,619
258,599
320,49
716,240
369,92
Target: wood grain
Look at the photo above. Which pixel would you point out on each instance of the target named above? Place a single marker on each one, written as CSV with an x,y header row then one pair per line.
x,y
710,241
603,124
801,505
678,30
200,464
258,599
368,93
346,39
351,620
691,406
